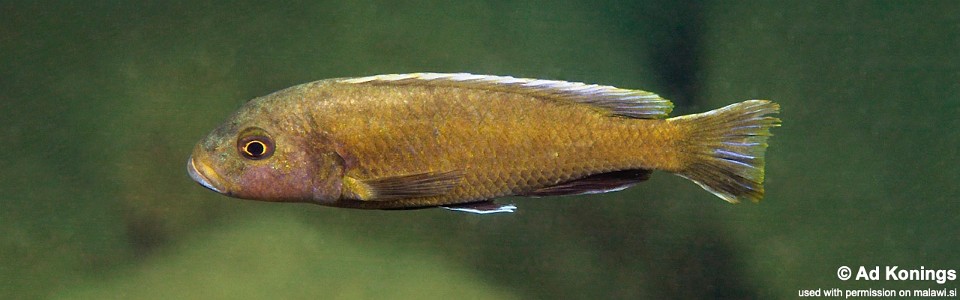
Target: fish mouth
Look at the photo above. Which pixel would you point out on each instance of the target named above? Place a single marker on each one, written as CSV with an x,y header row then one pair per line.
x,y
200,175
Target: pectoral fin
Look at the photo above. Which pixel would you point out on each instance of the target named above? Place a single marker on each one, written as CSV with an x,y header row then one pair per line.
x,y
594,184
399,187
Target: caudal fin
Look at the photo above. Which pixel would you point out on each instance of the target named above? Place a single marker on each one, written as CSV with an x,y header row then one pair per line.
x,y
725,148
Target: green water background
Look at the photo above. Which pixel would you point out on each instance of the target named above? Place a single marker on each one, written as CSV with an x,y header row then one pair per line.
x,y
101,103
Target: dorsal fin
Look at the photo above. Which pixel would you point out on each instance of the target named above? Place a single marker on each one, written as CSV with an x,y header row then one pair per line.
x,y
612,100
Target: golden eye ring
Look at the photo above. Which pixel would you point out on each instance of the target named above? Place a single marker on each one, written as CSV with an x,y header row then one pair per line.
x,y
255,147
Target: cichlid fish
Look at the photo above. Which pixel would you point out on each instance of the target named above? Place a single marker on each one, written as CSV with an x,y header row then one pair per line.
x,y
460,140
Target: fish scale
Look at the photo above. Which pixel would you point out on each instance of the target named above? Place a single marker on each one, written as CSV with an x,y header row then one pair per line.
x,y
519,154
433,139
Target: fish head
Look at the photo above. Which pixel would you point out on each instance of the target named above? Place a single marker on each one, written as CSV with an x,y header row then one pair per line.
x,y
258,157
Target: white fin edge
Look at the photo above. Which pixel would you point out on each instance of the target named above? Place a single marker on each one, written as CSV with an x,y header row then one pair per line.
x,y
509,208
624,102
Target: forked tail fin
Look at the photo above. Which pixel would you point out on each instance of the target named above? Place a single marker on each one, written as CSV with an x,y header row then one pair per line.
x,y
725,148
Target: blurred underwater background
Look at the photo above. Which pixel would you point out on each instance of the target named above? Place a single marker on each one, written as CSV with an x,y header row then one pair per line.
x,y
103,101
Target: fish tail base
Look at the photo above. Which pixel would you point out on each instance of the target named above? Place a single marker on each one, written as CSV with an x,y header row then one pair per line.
x,y
725,149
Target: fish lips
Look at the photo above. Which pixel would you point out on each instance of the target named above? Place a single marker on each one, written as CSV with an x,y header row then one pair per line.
x,y
204,175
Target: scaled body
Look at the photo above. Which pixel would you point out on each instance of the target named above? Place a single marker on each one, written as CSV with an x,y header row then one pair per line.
x,y
420,140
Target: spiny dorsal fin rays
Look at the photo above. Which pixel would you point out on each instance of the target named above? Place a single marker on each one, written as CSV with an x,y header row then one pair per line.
x,y
622,102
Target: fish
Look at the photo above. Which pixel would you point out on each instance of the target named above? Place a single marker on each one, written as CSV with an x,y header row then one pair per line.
x,y
461,140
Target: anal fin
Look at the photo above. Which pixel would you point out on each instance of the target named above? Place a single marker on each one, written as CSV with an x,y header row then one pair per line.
x,y
483,207
399,187
594,184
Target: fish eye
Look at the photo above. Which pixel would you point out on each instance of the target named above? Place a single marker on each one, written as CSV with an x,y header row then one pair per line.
x,y
256,146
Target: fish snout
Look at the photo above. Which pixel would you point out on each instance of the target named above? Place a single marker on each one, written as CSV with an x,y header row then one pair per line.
x,y
204,175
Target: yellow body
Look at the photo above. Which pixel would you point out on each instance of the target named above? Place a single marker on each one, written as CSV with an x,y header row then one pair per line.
x,y
470,140
505,144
